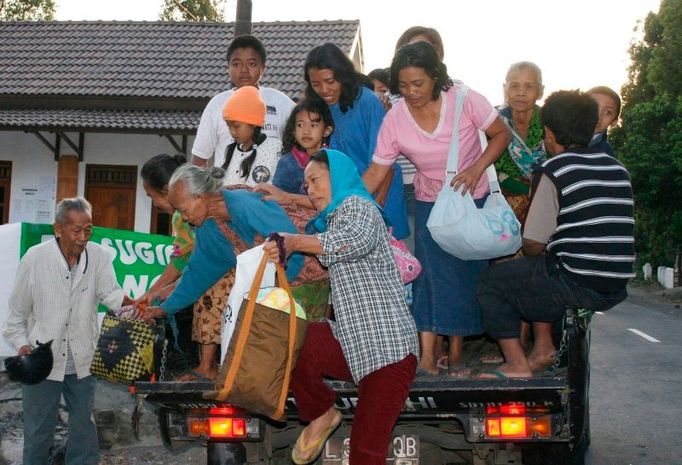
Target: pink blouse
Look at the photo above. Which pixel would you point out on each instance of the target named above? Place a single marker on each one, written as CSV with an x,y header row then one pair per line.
x,y
400,133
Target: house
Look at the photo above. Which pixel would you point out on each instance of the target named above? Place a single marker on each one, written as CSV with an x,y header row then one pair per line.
x,y
84,104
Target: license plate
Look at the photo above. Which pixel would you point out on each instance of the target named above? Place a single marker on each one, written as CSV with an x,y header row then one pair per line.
x,y
403,450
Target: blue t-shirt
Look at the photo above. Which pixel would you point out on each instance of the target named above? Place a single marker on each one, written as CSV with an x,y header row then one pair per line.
x,y
355,134
213,253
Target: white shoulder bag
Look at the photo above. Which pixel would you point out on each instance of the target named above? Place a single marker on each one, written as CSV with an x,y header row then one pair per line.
x,y
461,229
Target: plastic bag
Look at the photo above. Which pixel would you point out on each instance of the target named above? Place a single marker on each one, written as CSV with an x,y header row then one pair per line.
x,y
247,264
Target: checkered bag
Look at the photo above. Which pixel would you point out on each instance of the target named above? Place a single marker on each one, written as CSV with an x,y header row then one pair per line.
x,y
125,350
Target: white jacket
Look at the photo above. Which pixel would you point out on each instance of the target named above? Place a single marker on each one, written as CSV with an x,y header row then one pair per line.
x,y
45,305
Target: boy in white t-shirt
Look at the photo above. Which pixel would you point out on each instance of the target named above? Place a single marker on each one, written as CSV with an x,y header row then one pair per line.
x,y
246,63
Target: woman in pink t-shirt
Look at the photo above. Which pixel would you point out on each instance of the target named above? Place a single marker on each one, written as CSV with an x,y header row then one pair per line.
x,y
420,126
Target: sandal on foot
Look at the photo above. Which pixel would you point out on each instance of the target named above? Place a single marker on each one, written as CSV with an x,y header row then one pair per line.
x,y
458,370
492,374
424,372
304,454
491,358
193,375
442,362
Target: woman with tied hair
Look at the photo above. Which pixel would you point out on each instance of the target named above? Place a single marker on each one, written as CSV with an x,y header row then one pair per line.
x,y
421,127
227,223
357,114
156,173
522,89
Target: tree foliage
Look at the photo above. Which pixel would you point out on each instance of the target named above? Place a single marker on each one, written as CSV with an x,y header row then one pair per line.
x,y
193,10
26,10
649,138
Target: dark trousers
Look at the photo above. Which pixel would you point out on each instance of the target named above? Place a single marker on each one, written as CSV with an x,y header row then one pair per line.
x,y
381,394
41,413
532,289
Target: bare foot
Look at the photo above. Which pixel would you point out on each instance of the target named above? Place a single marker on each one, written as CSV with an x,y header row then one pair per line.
x,y
540,360
507,371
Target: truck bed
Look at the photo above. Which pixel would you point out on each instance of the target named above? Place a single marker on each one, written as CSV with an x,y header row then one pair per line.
x,y
429,395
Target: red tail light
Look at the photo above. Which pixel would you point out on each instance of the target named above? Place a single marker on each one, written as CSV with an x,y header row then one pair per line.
x,y
514,421
220,427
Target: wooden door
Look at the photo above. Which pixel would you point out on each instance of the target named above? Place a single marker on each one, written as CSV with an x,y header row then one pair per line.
x,y
161,223
111,190
5,188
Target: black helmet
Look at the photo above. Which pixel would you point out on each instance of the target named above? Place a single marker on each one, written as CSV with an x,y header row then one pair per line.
x,y
32,368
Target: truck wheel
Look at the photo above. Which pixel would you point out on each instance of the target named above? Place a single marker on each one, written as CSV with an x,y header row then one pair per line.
x,y
225,453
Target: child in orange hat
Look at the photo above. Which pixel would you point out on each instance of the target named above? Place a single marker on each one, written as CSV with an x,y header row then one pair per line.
x,y
252,158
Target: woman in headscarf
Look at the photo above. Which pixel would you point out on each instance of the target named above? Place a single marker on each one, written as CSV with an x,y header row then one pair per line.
x,y
373,341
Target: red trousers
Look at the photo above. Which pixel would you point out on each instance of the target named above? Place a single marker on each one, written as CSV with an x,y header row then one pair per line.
x,y
381,394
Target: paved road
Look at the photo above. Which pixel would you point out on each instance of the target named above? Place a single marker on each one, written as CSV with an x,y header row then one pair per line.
x,y
636,386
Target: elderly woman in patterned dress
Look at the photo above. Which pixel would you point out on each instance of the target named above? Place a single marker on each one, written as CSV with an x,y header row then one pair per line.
x,y
373,341
227,222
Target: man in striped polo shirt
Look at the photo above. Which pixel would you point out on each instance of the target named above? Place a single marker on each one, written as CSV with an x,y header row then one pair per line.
x,y
578,240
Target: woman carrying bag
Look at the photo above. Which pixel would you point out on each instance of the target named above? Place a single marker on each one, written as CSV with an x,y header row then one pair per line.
x,y
421,127
373,341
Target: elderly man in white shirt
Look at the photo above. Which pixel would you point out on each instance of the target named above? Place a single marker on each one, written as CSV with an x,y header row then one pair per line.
x,y
56,293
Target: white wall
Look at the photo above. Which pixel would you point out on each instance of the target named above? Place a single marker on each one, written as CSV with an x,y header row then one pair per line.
x,y
32,163
32,160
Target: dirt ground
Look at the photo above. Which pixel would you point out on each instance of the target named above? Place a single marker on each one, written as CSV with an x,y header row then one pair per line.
x,y
113,410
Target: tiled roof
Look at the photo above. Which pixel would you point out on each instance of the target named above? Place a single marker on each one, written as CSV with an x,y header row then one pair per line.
x,y
169,121
150,59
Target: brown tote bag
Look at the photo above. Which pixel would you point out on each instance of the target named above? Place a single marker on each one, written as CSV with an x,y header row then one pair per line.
x,y
262,352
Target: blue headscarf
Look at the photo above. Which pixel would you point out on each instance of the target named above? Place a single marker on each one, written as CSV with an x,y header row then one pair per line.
x,y
345,181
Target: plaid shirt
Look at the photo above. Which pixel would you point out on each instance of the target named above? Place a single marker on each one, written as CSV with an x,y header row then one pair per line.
x,y
373,324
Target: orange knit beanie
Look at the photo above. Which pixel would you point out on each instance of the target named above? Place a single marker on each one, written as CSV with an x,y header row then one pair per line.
x,y
246,106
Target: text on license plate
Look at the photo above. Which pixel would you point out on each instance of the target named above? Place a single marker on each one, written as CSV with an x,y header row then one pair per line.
x,y
403,450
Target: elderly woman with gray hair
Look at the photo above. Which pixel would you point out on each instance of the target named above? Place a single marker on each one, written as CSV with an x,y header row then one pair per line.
x,y
522,89
227,222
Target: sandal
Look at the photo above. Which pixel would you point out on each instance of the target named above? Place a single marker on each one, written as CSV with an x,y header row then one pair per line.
x,y
458,370
192,375
302,455
492,358
442,362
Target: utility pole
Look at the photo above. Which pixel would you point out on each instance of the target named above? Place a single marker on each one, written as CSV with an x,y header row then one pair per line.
x,y
242,24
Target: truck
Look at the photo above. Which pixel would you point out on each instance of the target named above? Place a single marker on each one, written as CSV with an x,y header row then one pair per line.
x,y
543,420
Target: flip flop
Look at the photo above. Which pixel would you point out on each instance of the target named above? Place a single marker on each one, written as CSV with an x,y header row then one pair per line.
x,y
422,372
492,374
302,455
442,362
458,370
196,377
491,358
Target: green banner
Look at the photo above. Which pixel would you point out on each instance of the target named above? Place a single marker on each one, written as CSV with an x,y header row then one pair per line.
x,y
139,258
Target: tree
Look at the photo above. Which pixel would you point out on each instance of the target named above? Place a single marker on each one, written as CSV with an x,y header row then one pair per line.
x,y
26,10
649,138
193,10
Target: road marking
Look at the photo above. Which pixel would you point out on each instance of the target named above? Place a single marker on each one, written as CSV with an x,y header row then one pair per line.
x,y
644,335
599,313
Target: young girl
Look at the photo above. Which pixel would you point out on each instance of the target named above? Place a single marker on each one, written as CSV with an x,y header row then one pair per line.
x,y
307,131
609,111
252,158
